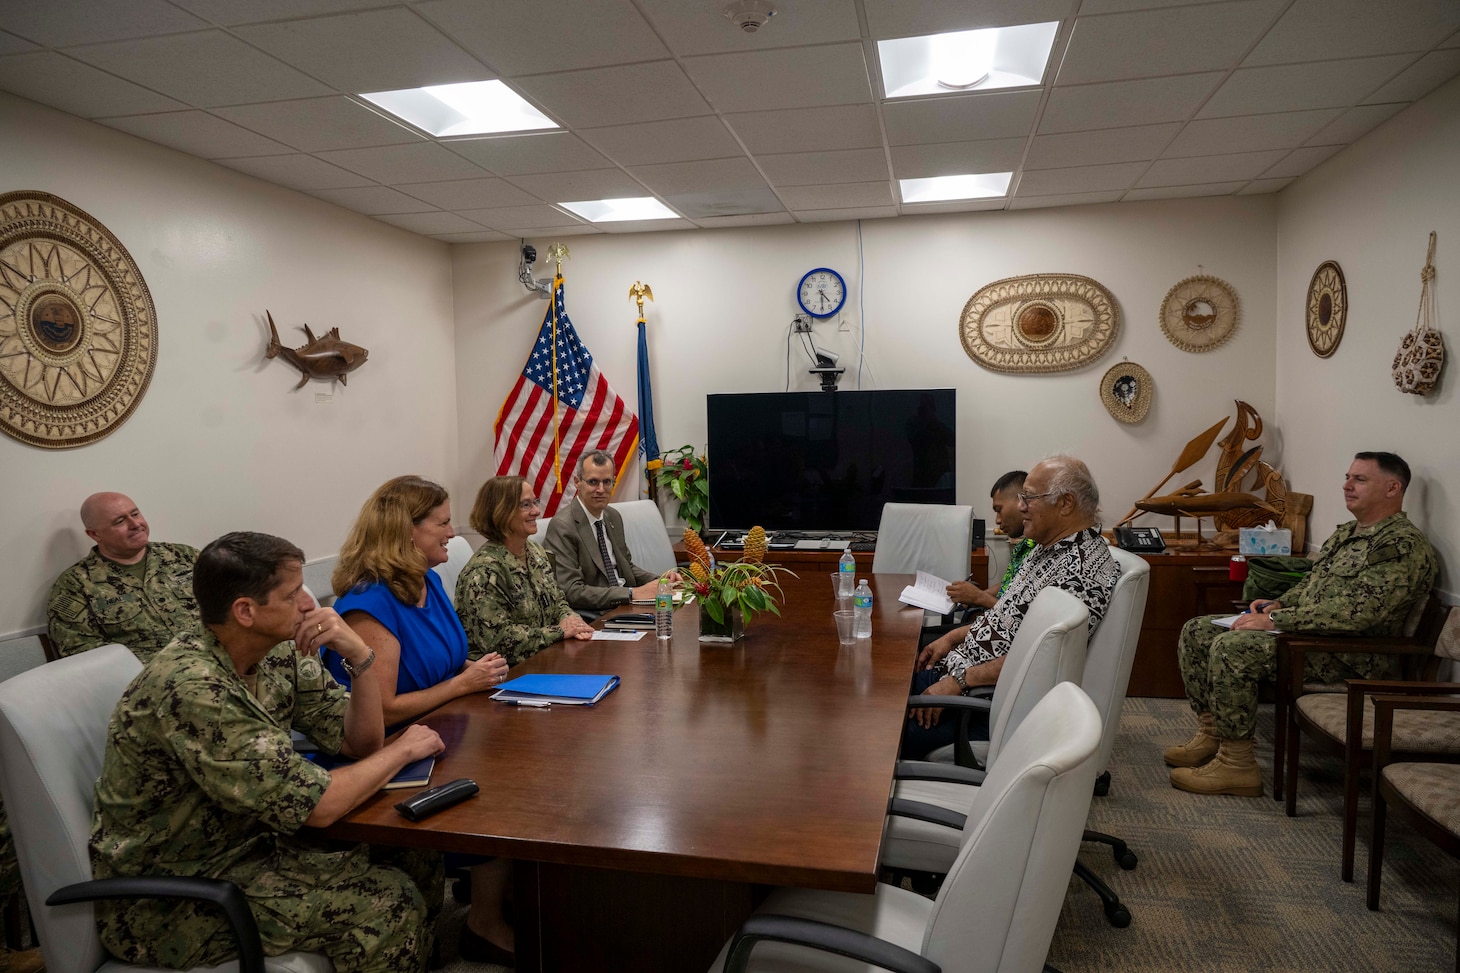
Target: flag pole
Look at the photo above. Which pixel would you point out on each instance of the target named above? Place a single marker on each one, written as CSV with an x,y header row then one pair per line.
x,y
648,440
557,252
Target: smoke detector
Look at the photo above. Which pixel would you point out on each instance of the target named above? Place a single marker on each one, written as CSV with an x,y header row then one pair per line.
x,y
749,15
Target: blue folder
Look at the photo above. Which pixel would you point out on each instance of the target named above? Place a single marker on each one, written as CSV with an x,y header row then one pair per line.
x,y
548,687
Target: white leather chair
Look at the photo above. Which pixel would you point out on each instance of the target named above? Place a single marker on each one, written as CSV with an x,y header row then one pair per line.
x,y
317,579
647,539
458,552
997,910
1049,649
927,537
53,725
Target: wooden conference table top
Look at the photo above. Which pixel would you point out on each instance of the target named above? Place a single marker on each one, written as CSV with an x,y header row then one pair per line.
x,y
769,761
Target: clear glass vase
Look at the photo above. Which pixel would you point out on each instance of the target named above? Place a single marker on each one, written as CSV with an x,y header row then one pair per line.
x,y
730,630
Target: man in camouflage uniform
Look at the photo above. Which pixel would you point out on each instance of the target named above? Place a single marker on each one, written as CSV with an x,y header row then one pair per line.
x,y
126,590
200,779
1365,580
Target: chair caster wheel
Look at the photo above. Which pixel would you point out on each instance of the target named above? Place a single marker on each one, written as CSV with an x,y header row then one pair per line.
x,y
1118,915
1126,859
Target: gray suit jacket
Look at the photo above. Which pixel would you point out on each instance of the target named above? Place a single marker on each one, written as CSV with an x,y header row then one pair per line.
x,y
578,565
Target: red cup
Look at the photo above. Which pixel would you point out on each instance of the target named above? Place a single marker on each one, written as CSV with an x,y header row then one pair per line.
x,y
1237,568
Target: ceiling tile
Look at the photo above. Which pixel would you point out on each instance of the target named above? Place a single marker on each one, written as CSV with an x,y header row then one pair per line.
x,y
1150,43
689,177
750,219
1208,169
62,23
846,195
1100,147
1419,79
1301,160
582,229
1063,199
645,226
1258,186
956,158
572,187
1452,41
1088,7
961,118
468,194
197,133
912,18
517,218
808,129
1296,87
520,38
617,95
510,155
418,162
10,44
371,200
1249,133
1116,103
375,50
55,80
845,215
431,223
676,140
702,28
700,205
303,172
230,12
955,206
1083,179
1355,28
813,168
1354,123
1184,192
319,124
204,69
804,77
481,236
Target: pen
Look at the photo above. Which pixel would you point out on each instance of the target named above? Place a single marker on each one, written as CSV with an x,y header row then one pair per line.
x,y
540,704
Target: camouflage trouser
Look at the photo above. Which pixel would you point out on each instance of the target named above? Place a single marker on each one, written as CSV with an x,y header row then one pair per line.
x,y
370,909
1221,670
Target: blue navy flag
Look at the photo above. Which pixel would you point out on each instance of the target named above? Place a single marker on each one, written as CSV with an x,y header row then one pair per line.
x,y
648,441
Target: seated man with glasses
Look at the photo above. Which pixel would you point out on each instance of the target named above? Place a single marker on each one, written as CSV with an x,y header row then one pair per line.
x,y
1059,502
586,536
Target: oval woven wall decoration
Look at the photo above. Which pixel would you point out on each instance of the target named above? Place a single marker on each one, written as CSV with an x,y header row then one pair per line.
x,y
1126,390
1200,313
1039,323
78,330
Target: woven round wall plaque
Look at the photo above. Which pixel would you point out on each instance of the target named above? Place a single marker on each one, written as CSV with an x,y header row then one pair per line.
x,y
1200,313
1126,390
1327,308
78,330
1039,323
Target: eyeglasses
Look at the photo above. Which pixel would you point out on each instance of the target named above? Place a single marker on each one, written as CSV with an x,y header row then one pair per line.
x,y
598,484
1028,498
529,503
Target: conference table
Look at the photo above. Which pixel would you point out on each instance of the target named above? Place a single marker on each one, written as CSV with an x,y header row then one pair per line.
x,y
647,827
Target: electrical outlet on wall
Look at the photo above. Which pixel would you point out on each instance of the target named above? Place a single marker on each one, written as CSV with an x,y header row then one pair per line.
x,y
801,324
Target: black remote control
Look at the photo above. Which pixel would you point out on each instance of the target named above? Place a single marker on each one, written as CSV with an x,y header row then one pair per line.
x,y
434,799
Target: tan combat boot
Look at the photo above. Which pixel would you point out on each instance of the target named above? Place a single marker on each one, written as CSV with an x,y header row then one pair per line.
x,y
1233,771
1199,749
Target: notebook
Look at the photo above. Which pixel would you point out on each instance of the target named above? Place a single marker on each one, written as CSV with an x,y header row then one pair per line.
x,y
549,687
415,774
631,620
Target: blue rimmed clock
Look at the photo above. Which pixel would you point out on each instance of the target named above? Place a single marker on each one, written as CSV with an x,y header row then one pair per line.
x,y
822,292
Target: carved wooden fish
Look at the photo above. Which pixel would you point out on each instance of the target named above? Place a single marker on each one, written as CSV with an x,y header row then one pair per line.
x,y
1203,505
325,357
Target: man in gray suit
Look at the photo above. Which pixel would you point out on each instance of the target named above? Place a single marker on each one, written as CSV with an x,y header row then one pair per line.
x,y
586,537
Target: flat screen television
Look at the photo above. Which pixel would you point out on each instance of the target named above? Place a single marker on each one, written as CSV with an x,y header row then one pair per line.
x,y
827,461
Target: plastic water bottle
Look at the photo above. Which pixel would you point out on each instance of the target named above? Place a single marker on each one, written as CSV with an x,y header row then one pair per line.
x,y
848,568
664,611
862,605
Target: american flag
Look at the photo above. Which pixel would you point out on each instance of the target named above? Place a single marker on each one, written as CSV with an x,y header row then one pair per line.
x,y
563,407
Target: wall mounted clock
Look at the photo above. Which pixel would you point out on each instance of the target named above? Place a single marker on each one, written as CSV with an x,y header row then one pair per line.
x,y
1200,313
78,330
822,292
1039,323
1327,308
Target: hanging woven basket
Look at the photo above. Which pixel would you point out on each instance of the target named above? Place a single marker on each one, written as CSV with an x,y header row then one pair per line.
x,y
1421,354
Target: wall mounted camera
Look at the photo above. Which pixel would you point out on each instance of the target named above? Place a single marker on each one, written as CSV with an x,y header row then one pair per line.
x,y
542,286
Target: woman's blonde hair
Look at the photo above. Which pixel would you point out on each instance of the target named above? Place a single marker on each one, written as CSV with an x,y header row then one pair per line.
x,y
379,547
497,506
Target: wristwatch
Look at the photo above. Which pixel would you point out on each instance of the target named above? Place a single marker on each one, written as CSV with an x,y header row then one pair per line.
x,y
958,678
355,671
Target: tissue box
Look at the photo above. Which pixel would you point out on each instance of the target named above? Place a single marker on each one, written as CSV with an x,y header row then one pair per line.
x,y
1256,540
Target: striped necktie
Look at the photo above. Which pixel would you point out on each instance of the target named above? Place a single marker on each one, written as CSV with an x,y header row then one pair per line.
x,y
603,552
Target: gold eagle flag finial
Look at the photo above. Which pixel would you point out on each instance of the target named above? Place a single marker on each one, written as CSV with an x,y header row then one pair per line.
x,y
558,252
638,292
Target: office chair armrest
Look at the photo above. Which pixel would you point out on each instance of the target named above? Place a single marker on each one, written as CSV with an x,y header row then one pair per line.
x,y
932,770
973,704
931,813
965,706
225,895
824,936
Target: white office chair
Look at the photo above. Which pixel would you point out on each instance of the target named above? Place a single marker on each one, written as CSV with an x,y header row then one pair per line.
x,y
996,911
458,552
1049,649
53,725
927,537
644,531
317,580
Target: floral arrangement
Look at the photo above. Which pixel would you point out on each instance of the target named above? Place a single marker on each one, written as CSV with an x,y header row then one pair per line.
x,y
688,477
747,586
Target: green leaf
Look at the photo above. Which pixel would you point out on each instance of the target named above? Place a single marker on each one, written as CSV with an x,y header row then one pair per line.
x,y
703,485
714,609
677,487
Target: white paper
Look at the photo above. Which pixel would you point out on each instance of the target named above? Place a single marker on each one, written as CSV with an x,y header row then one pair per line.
x,y
604,635
1227,621
928,592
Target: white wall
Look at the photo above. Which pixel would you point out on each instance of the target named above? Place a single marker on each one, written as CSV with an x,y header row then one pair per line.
x,y
724,300
1371,209
220,442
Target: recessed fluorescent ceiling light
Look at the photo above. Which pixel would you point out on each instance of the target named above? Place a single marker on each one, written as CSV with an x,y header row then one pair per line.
x,y
966,60
973,186
471,108
616,210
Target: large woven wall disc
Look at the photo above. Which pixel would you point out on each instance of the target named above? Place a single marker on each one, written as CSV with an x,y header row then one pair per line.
x,y
1039,323
1200,313
78,330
